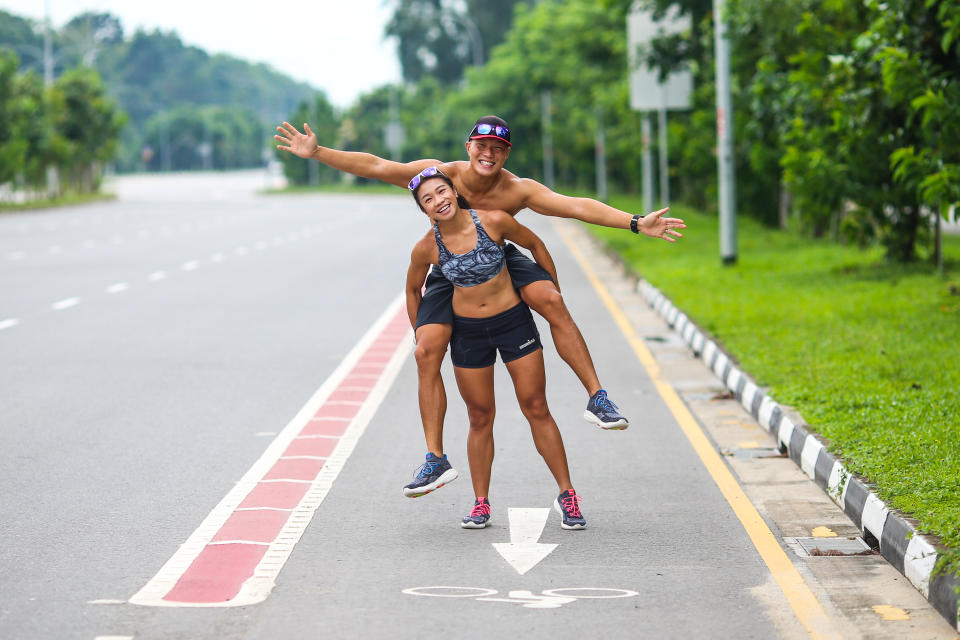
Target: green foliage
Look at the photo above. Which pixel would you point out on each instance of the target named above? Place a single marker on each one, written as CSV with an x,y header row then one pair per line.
x,y
437,38
152,73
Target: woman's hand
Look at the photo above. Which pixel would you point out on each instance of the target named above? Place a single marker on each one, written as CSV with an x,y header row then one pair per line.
x,y
299,144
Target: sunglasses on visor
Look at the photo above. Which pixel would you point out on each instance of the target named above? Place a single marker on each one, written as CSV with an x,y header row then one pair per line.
x,y
426,173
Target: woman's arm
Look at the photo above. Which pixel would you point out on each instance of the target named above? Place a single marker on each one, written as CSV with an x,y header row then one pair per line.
x,y
416,274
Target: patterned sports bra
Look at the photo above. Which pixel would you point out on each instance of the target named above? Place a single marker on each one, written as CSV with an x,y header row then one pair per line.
x,y
476,266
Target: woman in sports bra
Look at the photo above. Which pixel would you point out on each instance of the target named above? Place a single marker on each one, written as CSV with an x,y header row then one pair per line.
x,y
489,316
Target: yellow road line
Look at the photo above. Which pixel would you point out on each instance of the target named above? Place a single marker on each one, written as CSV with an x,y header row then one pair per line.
x,y
805,605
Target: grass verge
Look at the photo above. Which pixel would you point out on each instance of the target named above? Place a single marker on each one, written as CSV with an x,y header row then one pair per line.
x,y
366,188
63,201
868,352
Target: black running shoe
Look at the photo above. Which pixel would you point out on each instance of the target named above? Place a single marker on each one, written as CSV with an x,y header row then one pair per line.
x,y
568,504
479,517
603,413
432,474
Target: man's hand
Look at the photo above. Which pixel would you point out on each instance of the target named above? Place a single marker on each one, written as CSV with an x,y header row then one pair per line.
x,y
299,144
656,226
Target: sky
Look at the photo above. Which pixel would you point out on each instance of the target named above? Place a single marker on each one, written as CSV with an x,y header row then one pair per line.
x,y
333,45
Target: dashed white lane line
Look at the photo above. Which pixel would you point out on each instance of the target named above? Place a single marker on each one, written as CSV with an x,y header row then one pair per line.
x,y
66,303
241,251
157,276
8,323
16,255
190,265
118,287
217,257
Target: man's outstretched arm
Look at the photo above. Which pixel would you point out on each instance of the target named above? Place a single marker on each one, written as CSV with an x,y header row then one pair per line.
x,y
365,165
550,203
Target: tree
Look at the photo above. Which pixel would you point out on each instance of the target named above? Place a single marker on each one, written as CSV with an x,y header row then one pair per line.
x,y
438,38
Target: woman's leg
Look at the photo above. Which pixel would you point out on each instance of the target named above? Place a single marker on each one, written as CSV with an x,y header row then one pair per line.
x,y
529,381
476,387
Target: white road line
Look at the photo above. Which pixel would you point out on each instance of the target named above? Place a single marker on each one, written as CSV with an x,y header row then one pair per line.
x,y
66,303
16,255
118,287
217,257
157,275
112,637
8,323
260,246
190,265
241,251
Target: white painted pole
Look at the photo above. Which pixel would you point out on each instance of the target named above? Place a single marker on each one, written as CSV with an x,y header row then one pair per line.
x,y
664,161
647,164
600,148
546,109
728,219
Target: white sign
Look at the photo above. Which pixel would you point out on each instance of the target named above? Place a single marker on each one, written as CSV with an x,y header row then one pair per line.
x,y
647,93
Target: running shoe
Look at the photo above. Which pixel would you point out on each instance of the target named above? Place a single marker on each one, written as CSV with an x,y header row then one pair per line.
x,y
479,517
603,413
568,505
432,474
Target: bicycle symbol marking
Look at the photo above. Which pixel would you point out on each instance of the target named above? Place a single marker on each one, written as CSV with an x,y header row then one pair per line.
x,y
547,599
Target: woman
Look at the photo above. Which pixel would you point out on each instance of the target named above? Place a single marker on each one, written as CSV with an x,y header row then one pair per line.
x,y
489,316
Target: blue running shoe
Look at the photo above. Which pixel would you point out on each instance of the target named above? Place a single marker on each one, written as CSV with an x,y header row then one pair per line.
x,y
432,474
603,413
479,517
568,505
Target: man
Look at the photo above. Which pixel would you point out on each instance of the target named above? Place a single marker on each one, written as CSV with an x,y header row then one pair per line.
x,y
485,184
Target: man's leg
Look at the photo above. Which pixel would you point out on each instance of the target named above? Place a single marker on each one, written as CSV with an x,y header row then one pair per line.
x,y
432,341
543,297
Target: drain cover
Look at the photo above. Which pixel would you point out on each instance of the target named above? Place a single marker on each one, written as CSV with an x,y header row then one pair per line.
x,y
832,546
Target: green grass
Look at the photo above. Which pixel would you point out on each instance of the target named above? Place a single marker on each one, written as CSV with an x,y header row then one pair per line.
x,y
867,352
62,201
376,187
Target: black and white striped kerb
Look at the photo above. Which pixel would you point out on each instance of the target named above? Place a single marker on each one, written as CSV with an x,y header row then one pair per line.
x,y
911,552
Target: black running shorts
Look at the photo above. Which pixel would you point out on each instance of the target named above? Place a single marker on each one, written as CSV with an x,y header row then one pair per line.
x,y
436,307
475,341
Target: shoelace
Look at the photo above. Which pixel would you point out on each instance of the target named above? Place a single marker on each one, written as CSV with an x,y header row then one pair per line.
x,y
426,469
606,403
480,509
572,506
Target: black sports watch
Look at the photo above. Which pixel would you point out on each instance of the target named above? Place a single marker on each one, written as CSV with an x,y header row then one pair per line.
x,y
633,223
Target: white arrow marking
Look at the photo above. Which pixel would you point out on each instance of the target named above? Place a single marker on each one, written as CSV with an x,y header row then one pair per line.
x,y
523,552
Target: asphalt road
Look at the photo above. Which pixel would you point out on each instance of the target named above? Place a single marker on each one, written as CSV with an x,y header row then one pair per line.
x,y
151,349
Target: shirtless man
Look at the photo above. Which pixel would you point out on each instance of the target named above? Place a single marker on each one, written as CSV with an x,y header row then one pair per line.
x,y
485,184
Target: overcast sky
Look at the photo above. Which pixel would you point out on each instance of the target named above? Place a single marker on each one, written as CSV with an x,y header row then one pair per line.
x,y
335,45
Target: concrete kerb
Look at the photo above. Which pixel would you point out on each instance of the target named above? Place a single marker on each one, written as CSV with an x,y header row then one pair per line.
x,y
914,554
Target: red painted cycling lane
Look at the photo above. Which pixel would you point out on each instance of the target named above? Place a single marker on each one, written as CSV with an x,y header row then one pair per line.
x,y
234,556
